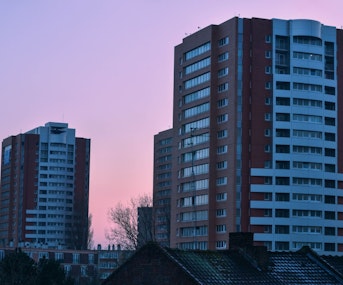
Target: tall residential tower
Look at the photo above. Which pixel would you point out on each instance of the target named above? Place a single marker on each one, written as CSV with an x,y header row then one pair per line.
x,y
258,136
45,188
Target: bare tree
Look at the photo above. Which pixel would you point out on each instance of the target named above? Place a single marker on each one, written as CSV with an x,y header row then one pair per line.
x,y
125,221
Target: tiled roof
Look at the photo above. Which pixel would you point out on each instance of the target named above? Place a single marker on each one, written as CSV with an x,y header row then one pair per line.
x,y
231,267
240,266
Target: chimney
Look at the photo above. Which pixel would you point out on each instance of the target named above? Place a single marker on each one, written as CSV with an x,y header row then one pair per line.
x,y
256,255
240,240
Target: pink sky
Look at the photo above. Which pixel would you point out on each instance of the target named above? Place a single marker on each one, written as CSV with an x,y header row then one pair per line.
x,y
106,68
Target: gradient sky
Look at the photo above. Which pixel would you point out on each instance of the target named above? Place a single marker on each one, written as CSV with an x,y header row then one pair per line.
x,y
106,68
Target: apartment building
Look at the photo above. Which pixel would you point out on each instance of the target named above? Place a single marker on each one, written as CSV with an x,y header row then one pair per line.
x,y
257,136
45,188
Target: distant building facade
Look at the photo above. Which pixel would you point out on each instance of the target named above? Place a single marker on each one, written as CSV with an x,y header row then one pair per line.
x,y
163,149
44,192
257,137
145,225
84,266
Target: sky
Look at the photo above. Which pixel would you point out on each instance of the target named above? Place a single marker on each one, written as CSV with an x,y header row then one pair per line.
x,y
105,67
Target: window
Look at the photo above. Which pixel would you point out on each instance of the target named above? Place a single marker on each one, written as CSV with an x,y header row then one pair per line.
x,y
194,170
221,212
330,183
223,87
202,123
222,134
197,80
268,85
330,231
222,102
281,164
220,228
76,258
282,197
268,54
330,137
267,195
267,229
282,180
222,165
330,90
194,111
221,181
223,41
198,51
268,38
267,132
268,69
283,85
223,72
268,212
198,65
307,87
329,247
267,116
282,213
221,244
280,148
330,152
284,133
196,95
221,197
330,106
280,229
222,149
282,117
222,118
59,256
307,56
281,245
223,56
330,215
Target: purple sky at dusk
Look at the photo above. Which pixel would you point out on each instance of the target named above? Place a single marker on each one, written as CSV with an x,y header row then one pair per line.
x,y
106,68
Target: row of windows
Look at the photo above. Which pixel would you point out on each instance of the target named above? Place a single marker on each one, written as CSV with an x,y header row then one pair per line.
x,y
193,201
194,111
198,65
194,185
195,170
195,140
285,229
307,71
196,95
285,197
306,55
195,155
199,124
302,134
194,231
198,51
286,213
194,216
197,80
283,245
281,101
328,183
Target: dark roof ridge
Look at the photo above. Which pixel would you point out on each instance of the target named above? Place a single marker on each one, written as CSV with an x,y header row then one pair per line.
x,y
174,259
313,256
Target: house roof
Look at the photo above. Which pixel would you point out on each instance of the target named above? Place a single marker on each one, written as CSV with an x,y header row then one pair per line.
x,y
246,266
232,267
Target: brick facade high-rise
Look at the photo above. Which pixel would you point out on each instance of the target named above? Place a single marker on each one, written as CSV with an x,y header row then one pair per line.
x,y
45,188
257,136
